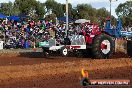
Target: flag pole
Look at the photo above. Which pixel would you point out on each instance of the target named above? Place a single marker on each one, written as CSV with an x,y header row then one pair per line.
x,y
110,8
66,18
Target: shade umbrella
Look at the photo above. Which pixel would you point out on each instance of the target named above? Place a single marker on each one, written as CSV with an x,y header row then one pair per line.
x,y
64,19
82,21
16,18
2,16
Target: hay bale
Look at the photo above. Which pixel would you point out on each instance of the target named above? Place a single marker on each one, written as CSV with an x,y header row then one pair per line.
x,y
121,45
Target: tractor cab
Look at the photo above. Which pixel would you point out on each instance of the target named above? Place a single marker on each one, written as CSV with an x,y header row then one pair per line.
x,y
90,30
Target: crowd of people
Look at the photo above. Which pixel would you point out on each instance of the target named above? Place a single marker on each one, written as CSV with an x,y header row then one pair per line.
x,y
28,33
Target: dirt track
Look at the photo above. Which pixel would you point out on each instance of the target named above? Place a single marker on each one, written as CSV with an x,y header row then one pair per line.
x,y
31,71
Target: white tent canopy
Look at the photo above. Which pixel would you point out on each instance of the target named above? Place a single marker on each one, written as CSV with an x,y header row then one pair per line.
x,y
82,21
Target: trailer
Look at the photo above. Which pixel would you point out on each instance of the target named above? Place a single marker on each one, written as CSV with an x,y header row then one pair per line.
x,y
99,42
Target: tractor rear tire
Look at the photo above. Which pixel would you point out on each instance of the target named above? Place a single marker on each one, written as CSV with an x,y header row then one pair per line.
x,y
103,46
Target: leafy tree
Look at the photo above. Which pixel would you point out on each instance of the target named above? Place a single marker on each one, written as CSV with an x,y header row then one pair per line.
x,y
86,11
51,17
83,10
7,8
30,7
70,9
58,10
25,5
102,12
50,4
55,7
74,13
15,11
40,10
124,11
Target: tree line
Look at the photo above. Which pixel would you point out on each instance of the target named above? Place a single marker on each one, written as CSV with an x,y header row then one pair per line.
x,y
37,10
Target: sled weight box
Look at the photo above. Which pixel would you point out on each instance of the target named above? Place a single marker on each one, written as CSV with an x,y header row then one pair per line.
x,y
129,48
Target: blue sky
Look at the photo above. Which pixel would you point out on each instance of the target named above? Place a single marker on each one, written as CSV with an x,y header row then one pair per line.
x,y
95,3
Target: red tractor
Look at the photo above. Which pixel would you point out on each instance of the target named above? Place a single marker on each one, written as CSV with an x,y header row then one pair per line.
x,y
98,42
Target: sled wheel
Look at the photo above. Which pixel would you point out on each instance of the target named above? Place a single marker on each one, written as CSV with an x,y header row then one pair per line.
x,y
103,46
64,51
